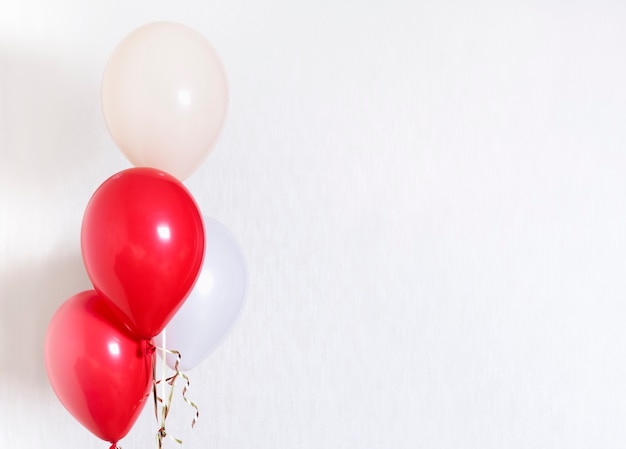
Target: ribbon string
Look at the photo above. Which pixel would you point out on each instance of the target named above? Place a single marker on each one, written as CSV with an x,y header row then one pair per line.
x,y
167,403
172,380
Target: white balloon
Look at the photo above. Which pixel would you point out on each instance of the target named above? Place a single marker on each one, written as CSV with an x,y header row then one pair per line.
x,y
214,304
164,97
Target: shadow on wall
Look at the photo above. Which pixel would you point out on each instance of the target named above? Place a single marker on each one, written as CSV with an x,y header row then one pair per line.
x,y
48,125
29,296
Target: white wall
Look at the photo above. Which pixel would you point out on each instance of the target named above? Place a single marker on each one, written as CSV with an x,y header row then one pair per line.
x,y
431,197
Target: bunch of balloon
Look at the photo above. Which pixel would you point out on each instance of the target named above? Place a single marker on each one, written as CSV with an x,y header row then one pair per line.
x,y
158,267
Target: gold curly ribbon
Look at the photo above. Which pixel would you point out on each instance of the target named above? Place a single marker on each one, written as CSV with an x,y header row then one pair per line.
x,y
167,404
172,379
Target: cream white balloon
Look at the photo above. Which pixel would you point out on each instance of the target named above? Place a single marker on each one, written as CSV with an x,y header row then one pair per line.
x,y
164,97
214,304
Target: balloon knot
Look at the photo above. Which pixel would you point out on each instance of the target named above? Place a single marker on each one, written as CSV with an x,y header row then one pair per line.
x,y
150,348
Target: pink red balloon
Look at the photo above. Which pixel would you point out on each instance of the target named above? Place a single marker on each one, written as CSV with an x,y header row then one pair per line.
x,y
100,372
142,242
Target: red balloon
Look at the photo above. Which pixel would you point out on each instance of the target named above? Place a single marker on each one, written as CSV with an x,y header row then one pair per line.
x,y
99,370
142,242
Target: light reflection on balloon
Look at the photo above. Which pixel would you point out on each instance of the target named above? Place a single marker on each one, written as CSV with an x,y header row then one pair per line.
x,y
114,348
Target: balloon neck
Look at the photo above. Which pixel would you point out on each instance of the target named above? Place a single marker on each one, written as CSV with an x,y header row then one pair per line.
x,y
150,348
114,446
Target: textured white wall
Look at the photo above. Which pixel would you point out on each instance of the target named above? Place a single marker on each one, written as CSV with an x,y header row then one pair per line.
x,y
430,196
